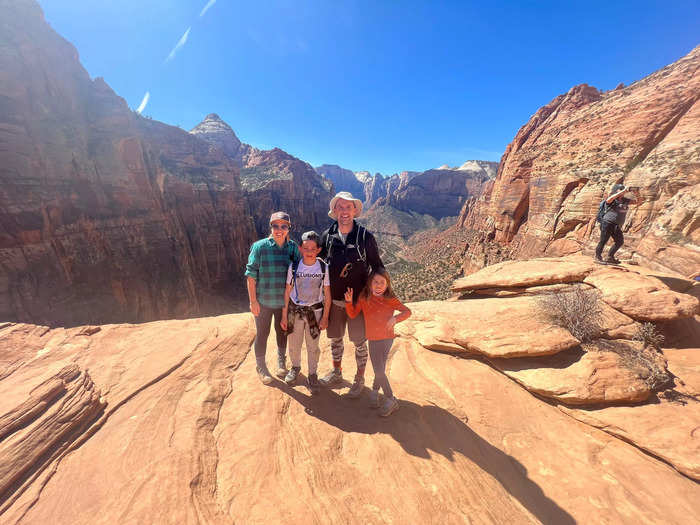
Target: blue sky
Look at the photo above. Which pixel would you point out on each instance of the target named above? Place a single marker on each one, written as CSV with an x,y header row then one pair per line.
x,y
369,85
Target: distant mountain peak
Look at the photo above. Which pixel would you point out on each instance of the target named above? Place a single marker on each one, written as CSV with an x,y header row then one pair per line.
x,y
215,131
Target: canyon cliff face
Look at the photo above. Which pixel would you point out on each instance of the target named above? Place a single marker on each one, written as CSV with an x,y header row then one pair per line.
x,y
104,215
272,180
556,171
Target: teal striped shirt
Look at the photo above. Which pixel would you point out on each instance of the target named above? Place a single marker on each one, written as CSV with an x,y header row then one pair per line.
x,y
268,264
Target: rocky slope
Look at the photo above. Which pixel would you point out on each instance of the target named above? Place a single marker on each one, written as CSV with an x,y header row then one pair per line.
x,y
99,424
104,215
272,180
561,163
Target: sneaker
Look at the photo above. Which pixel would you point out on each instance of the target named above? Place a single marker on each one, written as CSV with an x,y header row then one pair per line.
x,y
292,375
314,386
598,260
281,365
334,377
374,399
390,405
357,386
264,375
612,260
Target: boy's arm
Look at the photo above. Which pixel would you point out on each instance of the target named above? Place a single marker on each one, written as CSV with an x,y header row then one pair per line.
x,y
327,303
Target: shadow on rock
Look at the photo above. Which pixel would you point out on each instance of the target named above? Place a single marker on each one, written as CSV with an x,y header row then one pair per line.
x,y
425,429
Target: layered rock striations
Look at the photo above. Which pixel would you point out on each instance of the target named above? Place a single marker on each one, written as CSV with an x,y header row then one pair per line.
x,y
272,180
560,164
104,215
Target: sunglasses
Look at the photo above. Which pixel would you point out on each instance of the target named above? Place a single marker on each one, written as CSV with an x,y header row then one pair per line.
x,y
280,226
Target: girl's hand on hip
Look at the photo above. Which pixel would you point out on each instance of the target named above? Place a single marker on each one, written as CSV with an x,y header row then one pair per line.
x,y
391,322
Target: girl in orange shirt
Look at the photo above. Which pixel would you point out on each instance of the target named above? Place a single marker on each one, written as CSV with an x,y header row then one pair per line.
x,y
378,303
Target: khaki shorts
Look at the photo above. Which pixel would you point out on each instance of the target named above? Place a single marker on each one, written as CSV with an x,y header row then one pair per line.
x,y
339,319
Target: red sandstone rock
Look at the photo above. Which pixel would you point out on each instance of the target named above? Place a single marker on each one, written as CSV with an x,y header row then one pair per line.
x,y
640,297
189,434
579,378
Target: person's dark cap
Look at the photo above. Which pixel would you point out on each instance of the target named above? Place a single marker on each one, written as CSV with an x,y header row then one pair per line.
x,y
618,187
280,216
311,236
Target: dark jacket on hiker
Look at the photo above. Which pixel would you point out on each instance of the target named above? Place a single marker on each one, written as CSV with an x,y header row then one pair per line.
x,y
359,251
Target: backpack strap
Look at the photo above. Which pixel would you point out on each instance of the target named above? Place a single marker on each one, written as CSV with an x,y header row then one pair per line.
x,y
295,267
361,231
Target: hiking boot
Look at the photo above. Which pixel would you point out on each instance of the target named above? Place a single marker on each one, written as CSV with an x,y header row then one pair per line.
x,y
391,404
292,375
612,260
281,365
264,375
334,377
314,386
357,386
599,260
374,399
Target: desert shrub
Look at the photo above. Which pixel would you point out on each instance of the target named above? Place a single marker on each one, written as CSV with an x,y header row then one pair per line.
x,y
578,311
649,335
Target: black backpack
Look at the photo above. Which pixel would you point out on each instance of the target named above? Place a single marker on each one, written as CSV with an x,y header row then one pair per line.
x,y
295,267
602,210
361,233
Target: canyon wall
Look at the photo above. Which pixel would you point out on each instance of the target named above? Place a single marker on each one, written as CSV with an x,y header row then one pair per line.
x,y
556,171
104,215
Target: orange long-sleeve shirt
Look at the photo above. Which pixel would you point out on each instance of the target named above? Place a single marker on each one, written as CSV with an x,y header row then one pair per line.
x,y
378,311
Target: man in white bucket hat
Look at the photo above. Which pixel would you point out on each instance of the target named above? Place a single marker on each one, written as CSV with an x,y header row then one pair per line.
x,y
351,253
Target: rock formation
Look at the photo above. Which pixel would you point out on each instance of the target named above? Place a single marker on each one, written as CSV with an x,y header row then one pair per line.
x,y
561,163
167,422
104,215
342,179
272,180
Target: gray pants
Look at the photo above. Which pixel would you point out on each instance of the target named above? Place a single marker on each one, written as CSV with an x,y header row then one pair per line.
x,y
379,353
296,339
338,320
262,327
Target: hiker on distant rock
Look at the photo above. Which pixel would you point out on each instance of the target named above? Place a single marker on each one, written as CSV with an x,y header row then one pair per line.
x,y
266,274
611,215
307,305
351,252
378,303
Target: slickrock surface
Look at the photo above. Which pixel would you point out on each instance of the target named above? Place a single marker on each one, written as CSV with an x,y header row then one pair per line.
x,y
187,434
560,164
534,272
669,428
104,215
486,327
579,378
641,297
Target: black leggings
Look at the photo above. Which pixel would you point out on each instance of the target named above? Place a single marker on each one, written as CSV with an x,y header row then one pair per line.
x,y
607,230
262,326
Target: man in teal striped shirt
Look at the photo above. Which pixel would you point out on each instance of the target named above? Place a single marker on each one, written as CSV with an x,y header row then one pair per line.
x,y
266,275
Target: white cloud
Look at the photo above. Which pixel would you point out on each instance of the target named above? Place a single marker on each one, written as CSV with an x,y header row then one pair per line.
x,y
142,106
206,7
180,43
